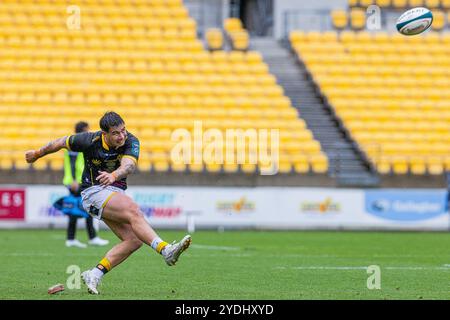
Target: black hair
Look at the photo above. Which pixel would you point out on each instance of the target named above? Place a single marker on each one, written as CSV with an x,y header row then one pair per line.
x,y
110,119
81,126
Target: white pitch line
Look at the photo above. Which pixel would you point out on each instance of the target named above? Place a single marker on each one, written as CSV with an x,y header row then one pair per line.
x,y
42,254
23,254
322,268
206,247
445,267
417,268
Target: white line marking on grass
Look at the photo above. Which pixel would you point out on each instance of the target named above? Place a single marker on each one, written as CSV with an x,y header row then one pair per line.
x,y
43,254
322,268
201,246
417,268
445,267
24,254
300,255
402,256
221,255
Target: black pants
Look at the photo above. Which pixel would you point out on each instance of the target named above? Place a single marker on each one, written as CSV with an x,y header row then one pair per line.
x,y
72,228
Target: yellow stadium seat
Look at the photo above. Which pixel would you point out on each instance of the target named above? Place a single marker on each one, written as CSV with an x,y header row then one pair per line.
x,y
301,167
161,166
233,24
21,164
57,163
383,3
415,3
6,164
435,165
41,164
196,167
399,165
438,20
417,165
445,4
347,36
297,36
230,167
319,164
399,3
144,165
432,4
366,3
284,167
240,40
358,18
214,38
248,168
383,164
178,167
339,18
447,163
253,57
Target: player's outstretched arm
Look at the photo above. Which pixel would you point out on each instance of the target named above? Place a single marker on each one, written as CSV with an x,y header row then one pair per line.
x,y
51,147
127,166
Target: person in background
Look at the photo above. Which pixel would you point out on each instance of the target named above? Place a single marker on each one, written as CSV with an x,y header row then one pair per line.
x,y
111,155
73,169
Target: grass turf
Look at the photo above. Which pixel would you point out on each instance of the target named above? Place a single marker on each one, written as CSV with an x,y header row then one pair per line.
x,y
236,265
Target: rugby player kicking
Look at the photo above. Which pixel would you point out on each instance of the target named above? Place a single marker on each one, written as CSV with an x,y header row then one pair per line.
x,y
110,156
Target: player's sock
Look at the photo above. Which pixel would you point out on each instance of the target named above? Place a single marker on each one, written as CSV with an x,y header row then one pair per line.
x,y
158,244
102,268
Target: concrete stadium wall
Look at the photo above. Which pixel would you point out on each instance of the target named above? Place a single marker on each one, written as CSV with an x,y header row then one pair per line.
x,y
303,6
208,13
211,13
31,177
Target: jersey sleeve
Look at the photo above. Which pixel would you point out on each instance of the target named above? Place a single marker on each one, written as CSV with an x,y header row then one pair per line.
x,y
132,148
79,142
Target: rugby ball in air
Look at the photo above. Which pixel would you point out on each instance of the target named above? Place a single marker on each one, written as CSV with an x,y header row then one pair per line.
x,y
414,21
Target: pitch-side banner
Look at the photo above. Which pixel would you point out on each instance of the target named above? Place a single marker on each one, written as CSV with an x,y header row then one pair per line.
x,y
12,204
271,208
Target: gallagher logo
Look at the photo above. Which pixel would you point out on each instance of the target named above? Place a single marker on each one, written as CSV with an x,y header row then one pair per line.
x,y
240,206
326,206
414,205
380,205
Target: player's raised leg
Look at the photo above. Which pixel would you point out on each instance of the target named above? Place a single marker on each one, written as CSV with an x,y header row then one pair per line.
x,y
113,257
122,209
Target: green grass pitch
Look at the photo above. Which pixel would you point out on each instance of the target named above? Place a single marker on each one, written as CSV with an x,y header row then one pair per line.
x,y
236,265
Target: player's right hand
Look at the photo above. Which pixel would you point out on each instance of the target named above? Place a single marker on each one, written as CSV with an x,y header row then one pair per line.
x,y
31,156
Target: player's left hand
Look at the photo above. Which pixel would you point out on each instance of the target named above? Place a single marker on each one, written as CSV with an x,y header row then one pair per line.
x,y
105,178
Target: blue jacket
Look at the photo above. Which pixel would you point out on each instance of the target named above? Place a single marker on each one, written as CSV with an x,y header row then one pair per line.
x,y
70,205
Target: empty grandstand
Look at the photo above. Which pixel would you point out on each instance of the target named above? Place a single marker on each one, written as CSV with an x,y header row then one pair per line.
x,y
395,105
144,60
